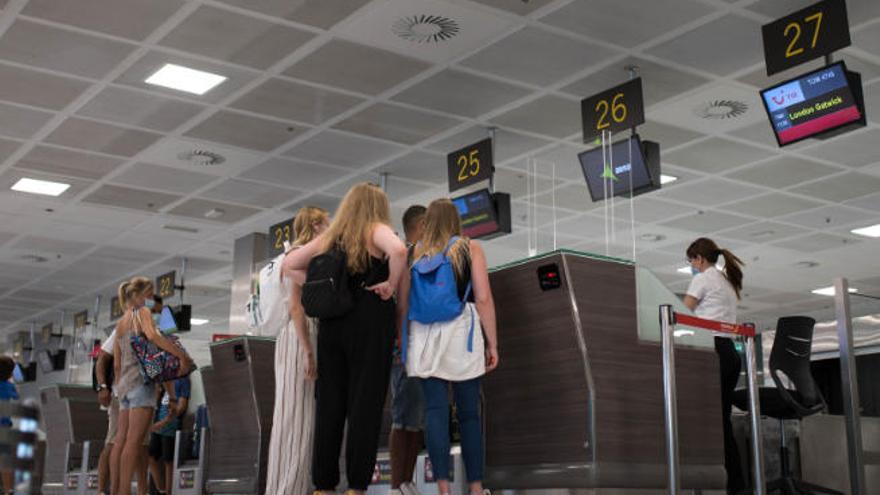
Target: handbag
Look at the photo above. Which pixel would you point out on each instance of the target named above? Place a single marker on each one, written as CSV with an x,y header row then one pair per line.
x,y
156,364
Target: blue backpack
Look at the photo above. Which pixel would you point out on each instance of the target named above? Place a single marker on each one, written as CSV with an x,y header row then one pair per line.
x,y
433,295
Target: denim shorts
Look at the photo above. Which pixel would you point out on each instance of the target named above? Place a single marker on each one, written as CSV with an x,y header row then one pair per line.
x,y
140,396
407,400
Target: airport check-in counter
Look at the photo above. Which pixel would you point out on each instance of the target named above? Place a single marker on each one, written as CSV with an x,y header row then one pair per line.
x,y
578,400
240,393
75,429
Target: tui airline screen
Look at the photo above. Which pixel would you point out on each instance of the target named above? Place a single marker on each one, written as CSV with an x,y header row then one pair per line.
x,y
811,104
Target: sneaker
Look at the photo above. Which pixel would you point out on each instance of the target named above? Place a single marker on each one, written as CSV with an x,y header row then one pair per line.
x,y
409,488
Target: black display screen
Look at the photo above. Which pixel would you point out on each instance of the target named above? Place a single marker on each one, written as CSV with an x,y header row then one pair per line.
x,y
606,174
477,212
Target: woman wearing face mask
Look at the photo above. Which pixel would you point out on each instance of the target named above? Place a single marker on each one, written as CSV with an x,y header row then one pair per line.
x,y
713,294
136,400
290,445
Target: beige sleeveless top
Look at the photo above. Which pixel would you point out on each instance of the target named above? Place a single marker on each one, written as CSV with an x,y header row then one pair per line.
x,y
130,375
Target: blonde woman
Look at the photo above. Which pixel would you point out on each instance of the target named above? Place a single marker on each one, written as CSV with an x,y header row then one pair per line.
x,y
354,350
455,352
290,446
136,399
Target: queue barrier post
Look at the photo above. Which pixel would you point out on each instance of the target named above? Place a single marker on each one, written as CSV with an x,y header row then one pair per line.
x,y
668,320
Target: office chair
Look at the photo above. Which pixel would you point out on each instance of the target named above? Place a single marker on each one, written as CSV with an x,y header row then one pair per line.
x,y
790,356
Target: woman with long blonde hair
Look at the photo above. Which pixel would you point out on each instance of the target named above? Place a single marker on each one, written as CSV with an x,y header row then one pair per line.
x,y
290,445
136,399
454,352
354,350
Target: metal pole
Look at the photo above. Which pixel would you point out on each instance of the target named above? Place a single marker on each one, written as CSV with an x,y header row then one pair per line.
x,y
850,387
492,131
183,265
667,326
383,181
95,318
755,417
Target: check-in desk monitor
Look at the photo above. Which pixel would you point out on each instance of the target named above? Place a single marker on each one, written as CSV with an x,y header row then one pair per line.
x,y
577,402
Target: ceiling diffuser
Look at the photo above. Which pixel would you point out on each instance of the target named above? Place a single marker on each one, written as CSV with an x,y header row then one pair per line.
x,y
425,28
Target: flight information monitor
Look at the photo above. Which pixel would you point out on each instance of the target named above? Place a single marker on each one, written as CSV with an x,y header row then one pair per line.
x,y
484,214
814,104
631,163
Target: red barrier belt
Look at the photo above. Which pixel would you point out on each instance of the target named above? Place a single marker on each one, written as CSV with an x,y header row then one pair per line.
x,y
715,326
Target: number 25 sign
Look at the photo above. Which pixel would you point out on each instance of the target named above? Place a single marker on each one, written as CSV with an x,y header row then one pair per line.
x,y
613,110
470,164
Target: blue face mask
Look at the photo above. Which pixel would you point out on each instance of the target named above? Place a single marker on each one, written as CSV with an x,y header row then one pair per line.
x,y
694,271
150,304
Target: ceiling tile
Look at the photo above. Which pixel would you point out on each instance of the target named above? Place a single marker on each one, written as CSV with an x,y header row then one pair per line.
x,y
135,199
136,108
872,101
771,205
325,201
461,93
318,13
815,242
715,108
841,187
197,208
394,123
146,66
81,214
295,174
7,148
343,150
858,11
660,82
650,210
871,202
855,149
706,222
105,138
761,133
396,189
516,183
564,158
37,88
715,155
520,8
128,255
68,162
200,156
356,67
759,78
722,46
235,38
667,135
19,122
44,245
294,101
251,193
831,217
868,38
762,232
537,56
6,237
134,19
508,144
418,165
161,178
245,131
549,115
783,172
711,191
65,51
626,23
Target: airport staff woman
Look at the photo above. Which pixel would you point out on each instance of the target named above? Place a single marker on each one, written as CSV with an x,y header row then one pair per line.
x,y
713,294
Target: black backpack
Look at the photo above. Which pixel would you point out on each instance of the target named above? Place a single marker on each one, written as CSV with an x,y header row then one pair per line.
x,y
327,292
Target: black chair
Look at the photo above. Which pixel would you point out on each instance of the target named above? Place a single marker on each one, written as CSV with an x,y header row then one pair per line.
x,y
790,356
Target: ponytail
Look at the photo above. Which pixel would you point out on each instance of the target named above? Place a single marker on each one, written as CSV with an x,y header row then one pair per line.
x,y
707,249
122,293
733,270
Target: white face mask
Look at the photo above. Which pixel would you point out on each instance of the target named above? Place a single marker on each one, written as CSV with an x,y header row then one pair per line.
x,y
695,271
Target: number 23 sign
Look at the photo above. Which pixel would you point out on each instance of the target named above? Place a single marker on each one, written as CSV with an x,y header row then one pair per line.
x,y
613,110
470,164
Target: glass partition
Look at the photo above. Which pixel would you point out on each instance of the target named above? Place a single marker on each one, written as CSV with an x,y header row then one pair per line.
x,y
651,294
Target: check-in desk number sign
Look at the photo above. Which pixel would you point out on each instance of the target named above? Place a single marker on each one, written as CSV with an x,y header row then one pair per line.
x,y
470,165
613,110
807,34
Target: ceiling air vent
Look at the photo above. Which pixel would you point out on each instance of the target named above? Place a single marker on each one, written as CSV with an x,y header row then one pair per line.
x,y
722,109
34,258
201,158
425,28
181,228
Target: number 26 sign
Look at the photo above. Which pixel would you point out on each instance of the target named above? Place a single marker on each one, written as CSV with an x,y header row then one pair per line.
x,y
613,110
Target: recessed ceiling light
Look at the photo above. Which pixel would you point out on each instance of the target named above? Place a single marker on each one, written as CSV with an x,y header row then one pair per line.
x,y
185,79
666,179
36,186
872,231
215,213
685,269
829,291
198,321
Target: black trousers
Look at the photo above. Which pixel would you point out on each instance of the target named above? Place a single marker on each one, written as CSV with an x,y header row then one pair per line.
x,y
354,367
730,365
